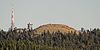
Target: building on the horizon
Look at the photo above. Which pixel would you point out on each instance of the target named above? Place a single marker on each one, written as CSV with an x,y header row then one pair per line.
x,y
20,30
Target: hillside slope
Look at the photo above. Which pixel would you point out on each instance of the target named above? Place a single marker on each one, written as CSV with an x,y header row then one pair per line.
x,y
54,28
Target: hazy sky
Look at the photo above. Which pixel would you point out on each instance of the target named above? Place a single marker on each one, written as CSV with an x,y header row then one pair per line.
x,y
74,13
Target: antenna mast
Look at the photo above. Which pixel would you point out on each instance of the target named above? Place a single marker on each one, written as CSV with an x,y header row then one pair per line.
x,y
12,17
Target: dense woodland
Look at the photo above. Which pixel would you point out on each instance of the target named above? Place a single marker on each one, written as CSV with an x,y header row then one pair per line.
x,y
27,40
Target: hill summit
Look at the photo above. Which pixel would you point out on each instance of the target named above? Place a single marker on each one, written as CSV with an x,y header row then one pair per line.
x,y
54,28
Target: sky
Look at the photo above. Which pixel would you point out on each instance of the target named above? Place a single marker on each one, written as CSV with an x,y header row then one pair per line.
x,y
74,13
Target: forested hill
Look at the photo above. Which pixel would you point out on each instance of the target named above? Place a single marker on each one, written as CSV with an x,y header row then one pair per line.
x,y
27,40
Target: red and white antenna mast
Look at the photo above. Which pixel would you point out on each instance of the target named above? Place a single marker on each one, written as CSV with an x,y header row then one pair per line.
x,y
12,20
12,16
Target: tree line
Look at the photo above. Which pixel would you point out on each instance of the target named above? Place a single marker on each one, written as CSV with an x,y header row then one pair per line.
x,y
27,40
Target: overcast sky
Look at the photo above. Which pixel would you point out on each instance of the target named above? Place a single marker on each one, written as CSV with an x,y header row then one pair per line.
x,y
74,13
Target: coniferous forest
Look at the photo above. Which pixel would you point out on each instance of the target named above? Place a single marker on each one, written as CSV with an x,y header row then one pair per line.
x,y
26,40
